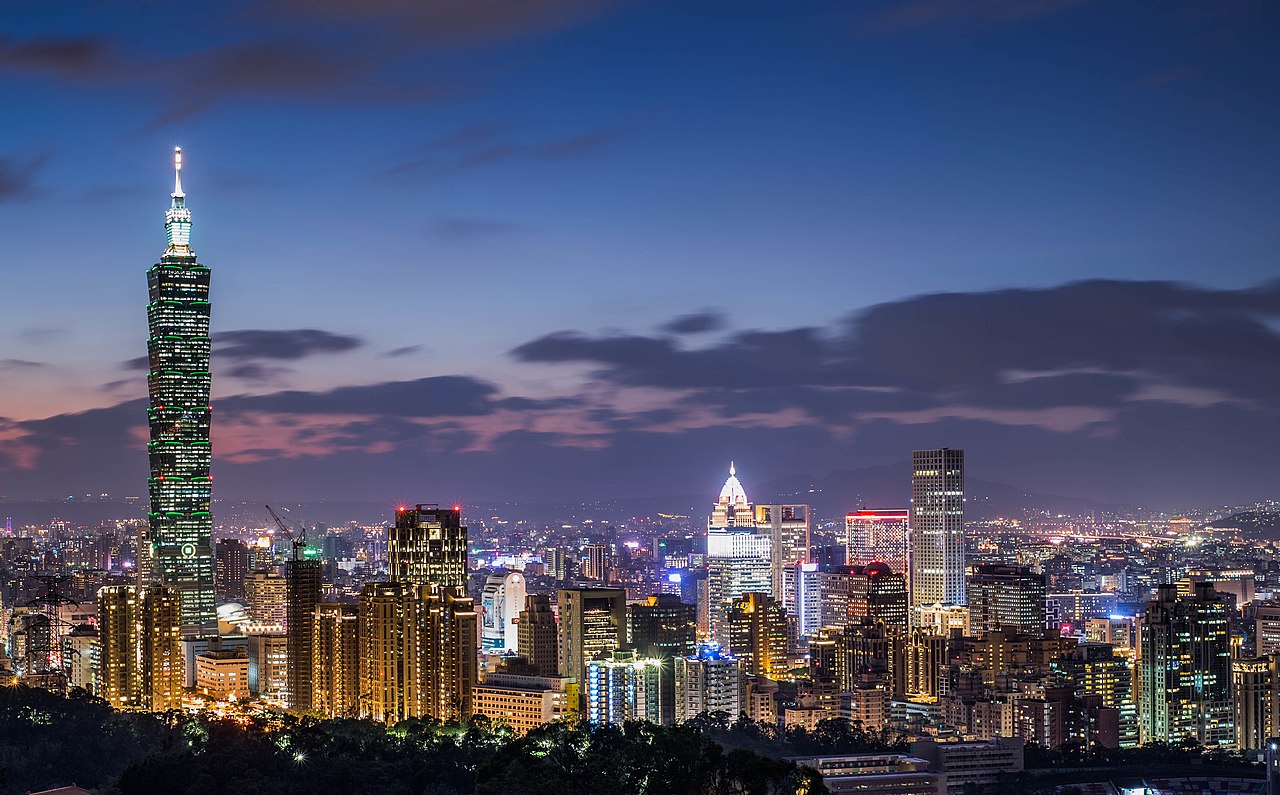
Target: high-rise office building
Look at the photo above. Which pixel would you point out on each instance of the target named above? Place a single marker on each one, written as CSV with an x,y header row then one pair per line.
x,y
663,628
501,602
877,536
269,666
141,664
179,538
788,529
537,635
1253,687
1094,669
1185,668
302,588
739,559
1006,597
936,529
388,651
927,657
592,620
803,597
878,593
595,562
427,545
757,630
335,660
231,565
447,627
1266,626
620,686
556,563
708,682
266,598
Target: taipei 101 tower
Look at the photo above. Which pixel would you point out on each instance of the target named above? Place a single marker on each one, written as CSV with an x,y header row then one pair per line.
x,y
178,547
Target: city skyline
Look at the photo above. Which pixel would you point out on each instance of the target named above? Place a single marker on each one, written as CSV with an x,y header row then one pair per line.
x,y
562,364
999,377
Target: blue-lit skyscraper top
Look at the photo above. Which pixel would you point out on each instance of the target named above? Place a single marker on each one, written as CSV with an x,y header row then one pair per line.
x,y
177,221
179,550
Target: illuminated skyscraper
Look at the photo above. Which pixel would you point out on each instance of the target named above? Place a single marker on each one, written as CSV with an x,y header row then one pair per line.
x,y
739,557
592,620
937,529
595,562
502,600
266,598
1185,668
428,546
663,628
140,653
179,542
160,655
446,654
231,566
1006,597
388,651
757,628
538,636
788,529
873,536
117,674
336,660
302,587
878,593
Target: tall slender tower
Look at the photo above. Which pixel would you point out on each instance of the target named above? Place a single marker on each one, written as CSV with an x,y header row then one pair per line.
x,y
178,551
937,529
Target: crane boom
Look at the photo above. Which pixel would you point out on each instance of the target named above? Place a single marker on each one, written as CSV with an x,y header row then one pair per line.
x,y
298,541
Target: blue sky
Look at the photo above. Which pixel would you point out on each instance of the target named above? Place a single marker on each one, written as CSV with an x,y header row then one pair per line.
x,y
453,182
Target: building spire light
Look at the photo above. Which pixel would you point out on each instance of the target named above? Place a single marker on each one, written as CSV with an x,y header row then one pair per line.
x,y
177,173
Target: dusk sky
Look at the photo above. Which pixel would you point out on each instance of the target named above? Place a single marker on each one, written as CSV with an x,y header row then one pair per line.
x,y
565,249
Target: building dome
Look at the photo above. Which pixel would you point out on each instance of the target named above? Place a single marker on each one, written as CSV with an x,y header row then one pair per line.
x,y
733,493
230,616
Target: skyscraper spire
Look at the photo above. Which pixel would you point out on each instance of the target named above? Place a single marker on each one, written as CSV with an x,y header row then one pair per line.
x,y
177,220
177,176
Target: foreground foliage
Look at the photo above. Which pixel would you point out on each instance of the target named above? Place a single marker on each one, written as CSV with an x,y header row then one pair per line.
x,y
47,740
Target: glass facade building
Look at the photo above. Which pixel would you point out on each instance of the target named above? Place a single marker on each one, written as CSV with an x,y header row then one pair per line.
x,y
179,547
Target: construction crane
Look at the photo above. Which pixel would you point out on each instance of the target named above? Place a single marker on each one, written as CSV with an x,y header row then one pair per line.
x,y
298,539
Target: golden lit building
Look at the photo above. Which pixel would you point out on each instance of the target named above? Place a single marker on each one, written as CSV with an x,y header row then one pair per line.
x,y
388,651
140,647
336,661
537,635
757,627
117,674
525,702
447,631
223,674
427,545
163,667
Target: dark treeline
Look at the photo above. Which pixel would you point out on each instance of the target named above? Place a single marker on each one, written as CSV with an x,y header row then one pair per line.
x,y
48,740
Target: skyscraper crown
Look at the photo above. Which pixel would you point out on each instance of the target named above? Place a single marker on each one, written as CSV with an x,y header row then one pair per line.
x,y
177,219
